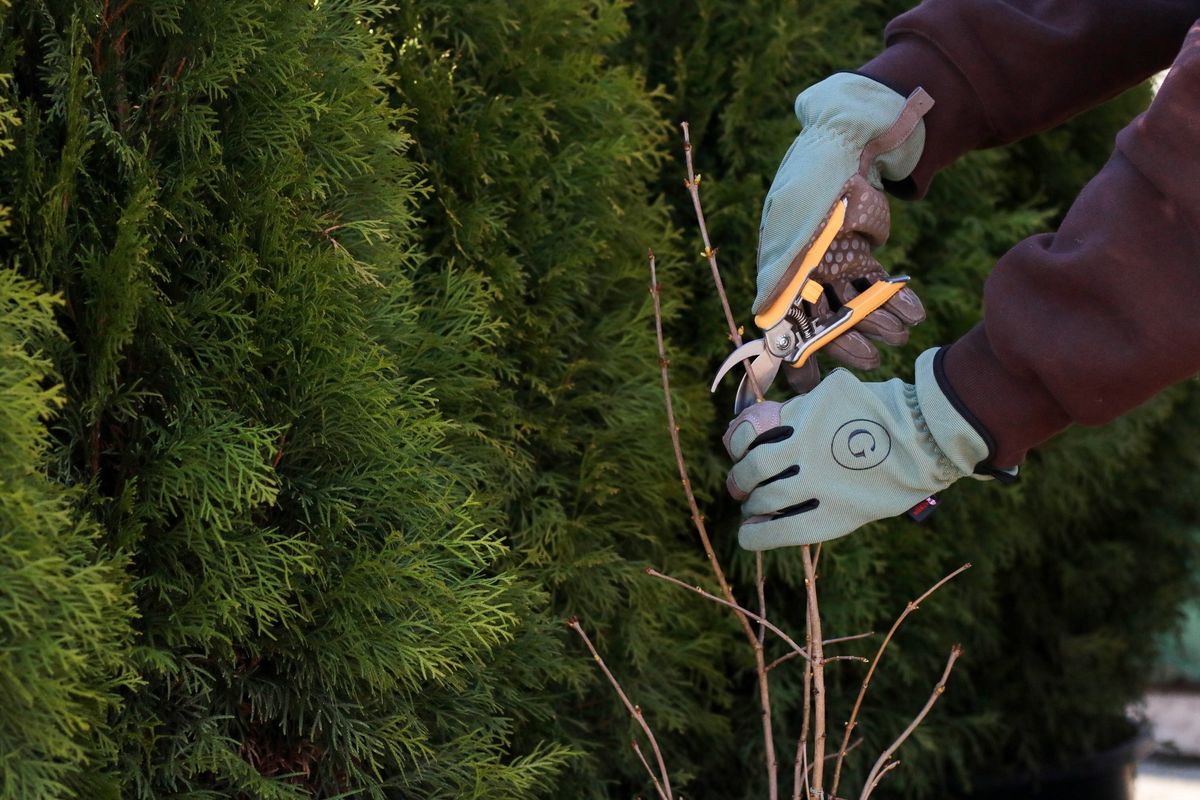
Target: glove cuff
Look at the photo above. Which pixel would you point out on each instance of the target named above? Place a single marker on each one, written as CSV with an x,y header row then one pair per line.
x,y
868,118
961,444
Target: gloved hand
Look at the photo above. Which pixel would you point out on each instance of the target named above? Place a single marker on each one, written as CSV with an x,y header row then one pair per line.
x,y
856,133
826,463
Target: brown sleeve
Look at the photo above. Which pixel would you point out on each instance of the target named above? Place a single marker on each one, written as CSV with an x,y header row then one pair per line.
x,y
1084,324
1000,70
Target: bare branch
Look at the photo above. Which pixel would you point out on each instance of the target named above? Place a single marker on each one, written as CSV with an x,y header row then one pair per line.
x,y
760,583
862,692
697,517
850,749
853,638
827,659
693,186
634,711
652,572
879,770
800,779
657,785
883,772
800,773
818,666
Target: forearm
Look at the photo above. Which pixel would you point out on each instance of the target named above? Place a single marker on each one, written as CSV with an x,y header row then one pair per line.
x,y
1000,70
1084,324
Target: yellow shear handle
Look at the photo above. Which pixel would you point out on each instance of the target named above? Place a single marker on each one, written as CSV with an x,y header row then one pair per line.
x,y
771,315
878,294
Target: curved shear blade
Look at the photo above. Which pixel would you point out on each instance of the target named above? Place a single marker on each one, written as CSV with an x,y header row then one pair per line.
x,y
749,350
764,369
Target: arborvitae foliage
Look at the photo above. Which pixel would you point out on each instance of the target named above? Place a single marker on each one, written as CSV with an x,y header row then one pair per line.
x,y
219,193
541,155
64,604
1078,566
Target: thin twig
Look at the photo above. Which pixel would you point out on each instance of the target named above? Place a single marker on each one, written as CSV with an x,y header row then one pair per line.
x,y
764,688
827,659
853,638
876,774
857,743
862,692
760,665
657,786
693,506
634,711
652,572
760,583
891,766
801,775
818,663
693,186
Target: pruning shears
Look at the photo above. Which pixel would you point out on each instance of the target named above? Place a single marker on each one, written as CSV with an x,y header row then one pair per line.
x,y
792,333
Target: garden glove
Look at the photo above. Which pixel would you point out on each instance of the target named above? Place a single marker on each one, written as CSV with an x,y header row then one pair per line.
x,y
857,132
826,463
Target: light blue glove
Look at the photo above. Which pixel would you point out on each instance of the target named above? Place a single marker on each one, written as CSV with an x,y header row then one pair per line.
x,y
847,453
856,132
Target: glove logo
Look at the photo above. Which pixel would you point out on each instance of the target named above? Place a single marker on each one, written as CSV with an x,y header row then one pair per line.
x,y
861,444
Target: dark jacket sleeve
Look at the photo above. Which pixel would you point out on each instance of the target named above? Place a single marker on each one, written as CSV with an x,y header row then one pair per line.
x,y
999,70
1084,324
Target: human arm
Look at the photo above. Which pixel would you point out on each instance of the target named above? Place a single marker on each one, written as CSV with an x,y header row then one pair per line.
x,y
1000,70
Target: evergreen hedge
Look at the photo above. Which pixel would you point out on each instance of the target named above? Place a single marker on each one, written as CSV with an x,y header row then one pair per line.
x,y
330,391
219,193
540,154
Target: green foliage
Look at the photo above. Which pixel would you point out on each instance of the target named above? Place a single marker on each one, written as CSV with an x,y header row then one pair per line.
x,y
65,608
220,194
540,154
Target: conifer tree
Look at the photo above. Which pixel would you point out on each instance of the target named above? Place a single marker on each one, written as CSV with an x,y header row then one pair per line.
x,y
540,155
219,193
64,604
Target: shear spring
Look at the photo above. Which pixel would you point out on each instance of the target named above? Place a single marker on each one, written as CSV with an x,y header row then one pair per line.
x,y
801,322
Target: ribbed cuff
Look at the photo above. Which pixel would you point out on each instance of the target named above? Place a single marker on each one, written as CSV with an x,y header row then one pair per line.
x,y
1015,412
955,125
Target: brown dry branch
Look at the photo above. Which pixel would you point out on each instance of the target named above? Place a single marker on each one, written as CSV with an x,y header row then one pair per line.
x,y
673,428
634,711
797,649
760,664
862,692
891,766
658,787
827,659
879,770
817,654
693,186
854,638
800,774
